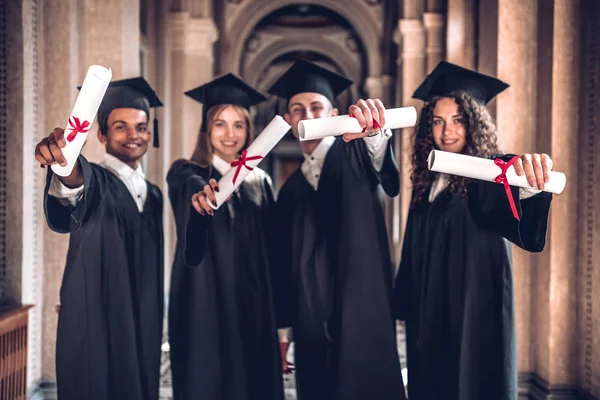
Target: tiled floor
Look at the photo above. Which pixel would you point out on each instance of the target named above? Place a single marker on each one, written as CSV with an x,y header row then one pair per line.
x,y
289,382
47,391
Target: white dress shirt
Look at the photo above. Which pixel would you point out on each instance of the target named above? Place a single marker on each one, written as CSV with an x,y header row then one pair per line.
x,y
313,163
254,178
134,180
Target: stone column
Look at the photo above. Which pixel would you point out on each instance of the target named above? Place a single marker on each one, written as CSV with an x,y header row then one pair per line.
x,y
190,63
563,231
461,33
380,87
517,39
412,70
22,264
434,25
191,41
109,35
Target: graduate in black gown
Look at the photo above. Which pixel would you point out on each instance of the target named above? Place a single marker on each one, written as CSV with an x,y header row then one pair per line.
x,y
222,328
334,276
454,287
111,313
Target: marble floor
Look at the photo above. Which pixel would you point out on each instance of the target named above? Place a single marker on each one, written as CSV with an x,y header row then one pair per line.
x,y
47,390
289,381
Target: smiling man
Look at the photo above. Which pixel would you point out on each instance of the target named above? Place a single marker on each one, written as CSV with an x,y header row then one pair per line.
x,y
110,319
333,275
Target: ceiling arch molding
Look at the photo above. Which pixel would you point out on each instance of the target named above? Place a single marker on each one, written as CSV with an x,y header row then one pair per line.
x,y
249,13
348,65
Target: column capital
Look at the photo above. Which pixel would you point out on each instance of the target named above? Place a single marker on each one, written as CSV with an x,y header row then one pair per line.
x,y
200,36
433,20
194,36
411,38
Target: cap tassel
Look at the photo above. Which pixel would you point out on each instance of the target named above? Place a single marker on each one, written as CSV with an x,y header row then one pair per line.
x,y
155,131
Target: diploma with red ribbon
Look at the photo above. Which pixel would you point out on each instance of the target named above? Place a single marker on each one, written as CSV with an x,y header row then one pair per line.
x,y
395,118
250,158
497,170
84,111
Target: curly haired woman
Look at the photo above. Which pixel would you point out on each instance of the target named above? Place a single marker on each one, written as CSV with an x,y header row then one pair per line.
x,y
454,288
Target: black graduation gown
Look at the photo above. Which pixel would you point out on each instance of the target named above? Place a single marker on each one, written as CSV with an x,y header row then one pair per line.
x,y
334,278
110,320
222,328
454,289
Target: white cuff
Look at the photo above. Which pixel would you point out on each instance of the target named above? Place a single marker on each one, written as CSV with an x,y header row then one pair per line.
x,y
284,335
525,193
66,195
377,146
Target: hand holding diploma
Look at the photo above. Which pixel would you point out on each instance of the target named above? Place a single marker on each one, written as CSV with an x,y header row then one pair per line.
x,y
49,151
537,168
526,171
201,199
366,117
84,111
215,194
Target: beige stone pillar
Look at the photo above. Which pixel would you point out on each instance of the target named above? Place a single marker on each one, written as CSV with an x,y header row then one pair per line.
x,y
412,70
98,33
190,47
461,33
109,35
22,263
517,39
563,231
380,87
192,59
434,25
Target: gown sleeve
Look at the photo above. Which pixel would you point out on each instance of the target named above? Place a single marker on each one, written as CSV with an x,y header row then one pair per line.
x,y
64,218
388,177
490,207
281,247
184,181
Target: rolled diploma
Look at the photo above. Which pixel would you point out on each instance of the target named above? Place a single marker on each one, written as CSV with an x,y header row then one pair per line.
x,y
86,106
485,170
395,118
261,146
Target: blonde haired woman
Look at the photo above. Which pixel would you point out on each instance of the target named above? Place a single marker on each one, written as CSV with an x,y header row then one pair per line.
x,y
222,327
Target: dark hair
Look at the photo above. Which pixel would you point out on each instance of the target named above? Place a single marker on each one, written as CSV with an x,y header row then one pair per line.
x,y
481,141
203,153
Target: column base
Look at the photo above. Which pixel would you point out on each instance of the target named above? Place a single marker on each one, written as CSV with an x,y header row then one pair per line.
x,y
534,387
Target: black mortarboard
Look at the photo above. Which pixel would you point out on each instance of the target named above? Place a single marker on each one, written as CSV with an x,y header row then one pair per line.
x,y
227,89
447,78
305,76
129,93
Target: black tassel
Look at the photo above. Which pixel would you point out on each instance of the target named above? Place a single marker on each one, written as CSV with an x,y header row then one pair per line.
x,y
155,131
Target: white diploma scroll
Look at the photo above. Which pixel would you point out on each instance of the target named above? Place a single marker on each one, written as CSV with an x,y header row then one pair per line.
x,y
486,170
251,157
82,117
395,118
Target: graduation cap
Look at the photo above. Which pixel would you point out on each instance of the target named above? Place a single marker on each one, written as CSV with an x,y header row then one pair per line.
x,y
305,76
227,89
447,78
129,93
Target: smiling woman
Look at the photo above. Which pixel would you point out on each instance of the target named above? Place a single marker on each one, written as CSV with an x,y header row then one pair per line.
x,y
222,331
229,131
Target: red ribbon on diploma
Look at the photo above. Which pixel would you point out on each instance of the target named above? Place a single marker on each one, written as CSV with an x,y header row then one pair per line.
x,y
375,124
77,127
501,179
242,163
